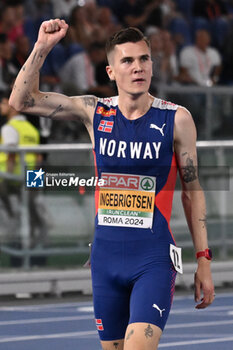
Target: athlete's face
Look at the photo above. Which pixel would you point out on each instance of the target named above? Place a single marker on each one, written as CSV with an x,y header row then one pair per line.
x,y
131,67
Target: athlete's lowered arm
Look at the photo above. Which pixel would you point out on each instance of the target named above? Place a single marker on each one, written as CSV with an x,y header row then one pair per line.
x,y
26,97
193,201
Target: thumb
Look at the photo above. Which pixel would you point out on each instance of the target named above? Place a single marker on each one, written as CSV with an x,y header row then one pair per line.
x,y
197,288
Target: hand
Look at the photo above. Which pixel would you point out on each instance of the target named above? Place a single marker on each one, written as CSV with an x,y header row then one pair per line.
x,y
203,281
51,32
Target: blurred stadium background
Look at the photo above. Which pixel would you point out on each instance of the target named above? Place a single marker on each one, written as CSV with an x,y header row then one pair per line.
x,y
54,265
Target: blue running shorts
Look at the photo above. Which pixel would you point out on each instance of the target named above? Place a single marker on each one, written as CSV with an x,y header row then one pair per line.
x,y
133,281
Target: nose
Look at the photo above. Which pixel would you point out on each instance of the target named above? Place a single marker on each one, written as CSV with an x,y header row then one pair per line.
x,y
137,66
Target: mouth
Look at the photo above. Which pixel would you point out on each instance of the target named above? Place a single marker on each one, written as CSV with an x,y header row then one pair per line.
x,y
139,80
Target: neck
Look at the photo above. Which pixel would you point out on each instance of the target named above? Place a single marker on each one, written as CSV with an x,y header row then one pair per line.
x,y
133,107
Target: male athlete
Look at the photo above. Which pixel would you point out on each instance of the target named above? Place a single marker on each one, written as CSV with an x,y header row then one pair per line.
x,y
138,142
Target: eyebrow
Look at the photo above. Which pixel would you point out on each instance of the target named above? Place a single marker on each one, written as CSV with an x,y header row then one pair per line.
x,y
126,58
131,58
145,56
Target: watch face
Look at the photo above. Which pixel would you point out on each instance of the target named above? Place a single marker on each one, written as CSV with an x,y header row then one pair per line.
x,y
207,253
210,253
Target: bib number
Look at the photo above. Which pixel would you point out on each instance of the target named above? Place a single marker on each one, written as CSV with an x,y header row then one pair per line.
x,y
126,200
176,257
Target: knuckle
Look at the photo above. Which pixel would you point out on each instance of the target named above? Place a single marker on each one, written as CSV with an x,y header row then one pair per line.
x,y
209,291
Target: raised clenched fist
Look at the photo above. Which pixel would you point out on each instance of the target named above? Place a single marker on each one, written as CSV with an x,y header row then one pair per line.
x,y
51,32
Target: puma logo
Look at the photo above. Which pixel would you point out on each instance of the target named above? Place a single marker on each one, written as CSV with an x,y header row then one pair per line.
x,y
153,126
160,311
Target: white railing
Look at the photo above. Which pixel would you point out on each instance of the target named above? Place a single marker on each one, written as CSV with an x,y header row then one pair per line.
x,y
217,146
208,105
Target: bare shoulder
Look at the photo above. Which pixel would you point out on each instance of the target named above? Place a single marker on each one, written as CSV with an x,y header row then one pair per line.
x,y
85,104
184,127
183,118
88,101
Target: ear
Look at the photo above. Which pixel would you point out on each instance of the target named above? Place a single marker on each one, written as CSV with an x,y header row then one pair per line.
x,y
110,72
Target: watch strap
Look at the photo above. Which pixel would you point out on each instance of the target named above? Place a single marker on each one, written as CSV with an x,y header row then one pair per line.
x,y
204,253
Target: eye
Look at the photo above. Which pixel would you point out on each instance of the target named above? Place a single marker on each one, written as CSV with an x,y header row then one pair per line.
x,y
144,58
127,60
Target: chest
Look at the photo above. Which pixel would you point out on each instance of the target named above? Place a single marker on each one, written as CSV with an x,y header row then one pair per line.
x,y
141,143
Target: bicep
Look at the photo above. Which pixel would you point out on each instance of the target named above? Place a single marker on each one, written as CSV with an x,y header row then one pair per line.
x,y
58,106
185,149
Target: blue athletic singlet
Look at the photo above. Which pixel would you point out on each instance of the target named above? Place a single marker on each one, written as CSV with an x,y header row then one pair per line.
x,y
132,274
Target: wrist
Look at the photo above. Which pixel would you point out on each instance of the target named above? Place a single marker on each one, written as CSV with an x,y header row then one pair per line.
x,y
203,261
41,48
204,254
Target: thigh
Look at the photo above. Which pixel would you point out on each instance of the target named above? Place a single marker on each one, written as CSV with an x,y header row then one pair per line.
x,y
117,344
111,297
111,316
142,336
152,295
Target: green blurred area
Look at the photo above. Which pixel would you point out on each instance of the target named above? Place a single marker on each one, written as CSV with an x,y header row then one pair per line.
x,y
78,260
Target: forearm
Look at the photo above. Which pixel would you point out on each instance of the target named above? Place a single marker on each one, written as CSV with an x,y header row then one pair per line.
x,y
26,85
193,202
26,95
194,207
195,212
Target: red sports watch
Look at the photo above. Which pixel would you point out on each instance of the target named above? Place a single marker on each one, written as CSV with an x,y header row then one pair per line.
x,y
207,253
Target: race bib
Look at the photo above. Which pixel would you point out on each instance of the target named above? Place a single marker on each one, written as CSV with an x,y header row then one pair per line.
x,y
127,200
176,257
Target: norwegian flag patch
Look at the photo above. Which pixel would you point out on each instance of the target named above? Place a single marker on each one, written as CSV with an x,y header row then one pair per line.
x,y
99,324
105,126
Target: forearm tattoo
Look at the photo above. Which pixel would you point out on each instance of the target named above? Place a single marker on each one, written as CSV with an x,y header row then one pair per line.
x,y
116,345
29,101
130,334
148,332
204,221
189,171
89,101
57,110
34,57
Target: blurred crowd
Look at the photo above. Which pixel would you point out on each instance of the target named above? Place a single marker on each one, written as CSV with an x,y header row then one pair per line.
x,y
191,42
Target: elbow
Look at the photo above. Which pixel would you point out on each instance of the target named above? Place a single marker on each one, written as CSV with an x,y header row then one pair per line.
x,y
186,197
15,103
193,195
186,202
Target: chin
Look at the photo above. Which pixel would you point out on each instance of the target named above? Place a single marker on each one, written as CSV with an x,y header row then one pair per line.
x,y
139,91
